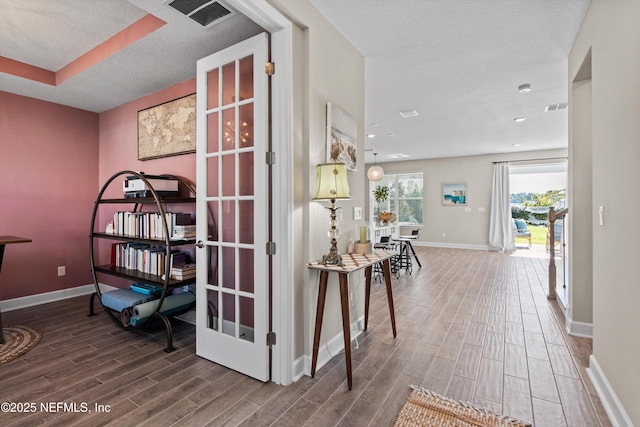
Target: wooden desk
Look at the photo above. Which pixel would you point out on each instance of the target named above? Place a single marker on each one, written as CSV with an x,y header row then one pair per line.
x,y
351,263
5,240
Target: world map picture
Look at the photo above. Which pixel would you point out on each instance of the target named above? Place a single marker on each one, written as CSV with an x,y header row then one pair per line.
x,y
167,129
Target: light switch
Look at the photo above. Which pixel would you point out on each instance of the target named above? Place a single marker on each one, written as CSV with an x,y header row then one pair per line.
x,y
357,213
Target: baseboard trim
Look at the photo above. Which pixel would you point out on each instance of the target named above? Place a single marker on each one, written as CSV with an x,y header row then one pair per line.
x,y
47,297
617,415
327,351
451,245
580,329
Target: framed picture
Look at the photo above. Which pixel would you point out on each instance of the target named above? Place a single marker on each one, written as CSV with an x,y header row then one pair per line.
x,y
167,129
342,137
454,194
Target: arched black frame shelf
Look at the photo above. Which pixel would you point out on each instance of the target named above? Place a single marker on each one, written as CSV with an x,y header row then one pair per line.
x,y
165,281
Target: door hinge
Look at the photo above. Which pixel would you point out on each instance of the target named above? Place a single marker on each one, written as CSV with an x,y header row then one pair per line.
x,y
270,68
271,338
271,158
271,248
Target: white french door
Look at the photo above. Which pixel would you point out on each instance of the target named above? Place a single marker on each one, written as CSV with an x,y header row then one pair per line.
x,y
232,319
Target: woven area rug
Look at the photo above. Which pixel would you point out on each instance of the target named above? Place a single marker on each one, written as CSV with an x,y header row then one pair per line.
x,y
18,340
426,408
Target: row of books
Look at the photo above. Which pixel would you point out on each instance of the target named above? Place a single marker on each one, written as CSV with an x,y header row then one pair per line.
x,y
150,259
149,225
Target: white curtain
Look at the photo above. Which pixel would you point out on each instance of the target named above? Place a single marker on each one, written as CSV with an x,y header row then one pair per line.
x,y
500,228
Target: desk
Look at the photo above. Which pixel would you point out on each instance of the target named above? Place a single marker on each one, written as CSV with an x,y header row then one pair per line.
x,y
351,263
5,240
407,240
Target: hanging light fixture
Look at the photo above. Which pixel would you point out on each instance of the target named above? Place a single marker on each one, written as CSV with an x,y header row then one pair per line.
x,y
375,172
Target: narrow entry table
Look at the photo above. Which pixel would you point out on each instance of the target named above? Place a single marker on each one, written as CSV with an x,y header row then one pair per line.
x,y
351,263
5,240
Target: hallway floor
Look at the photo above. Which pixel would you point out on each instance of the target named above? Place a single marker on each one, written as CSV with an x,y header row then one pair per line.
x,y
472,325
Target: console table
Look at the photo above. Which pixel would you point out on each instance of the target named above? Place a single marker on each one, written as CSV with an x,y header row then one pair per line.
x,y
5,240
351,263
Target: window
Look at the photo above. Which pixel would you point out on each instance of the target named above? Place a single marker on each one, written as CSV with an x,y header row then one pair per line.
x,y
405,197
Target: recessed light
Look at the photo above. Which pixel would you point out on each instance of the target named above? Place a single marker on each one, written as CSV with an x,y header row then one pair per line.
x,y
373,125
516,145
371,136
519,119
409,113
524,88
397,156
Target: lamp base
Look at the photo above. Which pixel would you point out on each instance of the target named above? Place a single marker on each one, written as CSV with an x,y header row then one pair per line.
x,y
332,259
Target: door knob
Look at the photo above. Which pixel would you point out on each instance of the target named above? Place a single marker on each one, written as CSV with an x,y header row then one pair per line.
x,y
199,244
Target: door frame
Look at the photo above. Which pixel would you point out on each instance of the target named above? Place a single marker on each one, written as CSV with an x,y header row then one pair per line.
x,y
280,28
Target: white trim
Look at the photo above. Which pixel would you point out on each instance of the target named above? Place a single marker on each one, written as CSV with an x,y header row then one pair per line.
x,y
617,415
47,297
580,329
451,245
282,363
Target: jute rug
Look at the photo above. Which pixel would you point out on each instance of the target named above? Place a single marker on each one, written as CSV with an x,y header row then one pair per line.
x,y
426,408
17,341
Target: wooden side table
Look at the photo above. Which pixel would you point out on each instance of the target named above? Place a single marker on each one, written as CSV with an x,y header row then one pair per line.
x,y
351,263
5,240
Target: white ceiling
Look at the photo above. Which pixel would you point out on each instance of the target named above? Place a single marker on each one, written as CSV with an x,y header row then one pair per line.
x,y
458,63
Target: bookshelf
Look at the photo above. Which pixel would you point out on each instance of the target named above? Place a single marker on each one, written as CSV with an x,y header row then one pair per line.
x,y
142,240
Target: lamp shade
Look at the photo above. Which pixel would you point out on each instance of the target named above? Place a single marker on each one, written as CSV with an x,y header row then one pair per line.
x,y
375,173
332,182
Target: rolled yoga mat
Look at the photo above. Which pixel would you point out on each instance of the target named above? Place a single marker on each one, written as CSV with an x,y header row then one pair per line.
x,y
135,322
172,301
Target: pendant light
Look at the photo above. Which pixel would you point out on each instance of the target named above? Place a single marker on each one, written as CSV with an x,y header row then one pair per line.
x,y
375,172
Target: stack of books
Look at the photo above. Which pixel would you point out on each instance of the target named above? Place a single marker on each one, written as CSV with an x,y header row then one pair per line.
x,y
184,232
183,272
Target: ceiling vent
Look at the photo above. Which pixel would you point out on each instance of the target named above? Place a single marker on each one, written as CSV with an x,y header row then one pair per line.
x,y
409,113
205,12
556,107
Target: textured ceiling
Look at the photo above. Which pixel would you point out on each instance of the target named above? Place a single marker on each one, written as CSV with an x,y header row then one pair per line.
x,y
51,34
457,62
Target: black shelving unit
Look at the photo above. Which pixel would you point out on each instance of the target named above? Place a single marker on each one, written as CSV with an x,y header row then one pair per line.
x,y
164,280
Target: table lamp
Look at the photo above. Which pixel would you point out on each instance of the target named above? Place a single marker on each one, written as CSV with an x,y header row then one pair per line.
x,y
332,184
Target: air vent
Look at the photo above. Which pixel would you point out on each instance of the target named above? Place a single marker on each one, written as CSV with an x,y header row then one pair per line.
x,y
556,107
409,113
205,12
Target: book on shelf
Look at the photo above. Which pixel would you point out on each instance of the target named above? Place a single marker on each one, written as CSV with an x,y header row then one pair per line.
x,y
149,225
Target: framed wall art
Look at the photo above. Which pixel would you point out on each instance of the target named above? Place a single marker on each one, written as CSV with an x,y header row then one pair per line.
x,y
342,137
167,129
454,194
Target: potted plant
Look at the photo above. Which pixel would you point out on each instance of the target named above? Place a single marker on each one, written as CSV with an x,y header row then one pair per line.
x,y
380,195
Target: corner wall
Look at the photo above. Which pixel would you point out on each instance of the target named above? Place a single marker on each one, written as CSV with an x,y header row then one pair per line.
x,y
332,71
611,33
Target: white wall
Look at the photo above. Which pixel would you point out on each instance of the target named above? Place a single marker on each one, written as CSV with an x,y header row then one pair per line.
x,y
332,70
464,228
611,32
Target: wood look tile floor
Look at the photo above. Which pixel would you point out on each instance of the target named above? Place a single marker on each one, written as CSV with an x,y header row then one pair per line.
x,y
472,325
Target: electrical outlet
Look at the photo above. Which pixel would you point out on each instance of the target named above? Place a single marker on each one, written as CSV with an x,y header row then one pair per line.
x,y
61,270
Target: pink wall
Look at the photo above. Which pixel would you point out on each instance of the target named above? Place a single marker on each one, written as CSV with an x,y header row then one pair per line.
x,y
118,151
48,181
